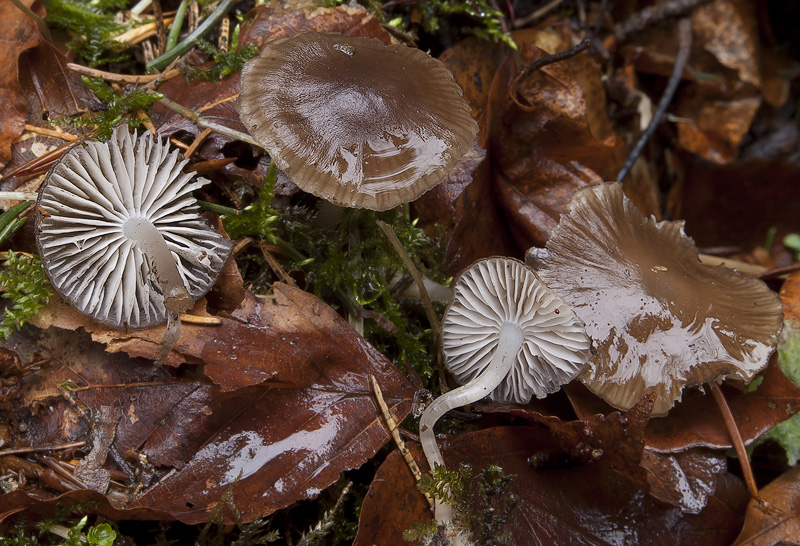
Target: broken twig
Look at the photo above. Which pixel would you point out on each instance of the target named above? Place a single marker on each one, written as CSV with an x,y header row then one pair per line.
x,y
685,46
391,424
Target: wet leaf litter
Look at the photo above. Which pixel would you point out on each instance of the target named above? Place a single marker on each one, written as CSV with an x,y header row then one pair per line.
x,y
263,414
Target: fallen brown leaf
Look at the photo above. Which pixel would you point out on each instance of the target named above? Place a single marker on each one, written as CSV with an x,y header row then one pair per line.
x,y
19,34
780,523
560,504
295,408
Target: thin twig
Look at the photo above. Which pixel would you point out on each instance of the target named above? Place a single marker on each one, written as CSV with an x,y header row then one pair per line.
x,y
415,274
391,424
275,265
197,143
55,133
18,196
38,449
652,15
199,320
161,33
681,59
536,15
779,271
4,255
139,34
203,123
541,62
122,78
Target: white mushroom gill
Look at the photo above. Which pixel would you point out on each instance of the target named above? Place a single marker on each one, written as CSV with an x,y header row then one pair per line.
x,y
506,335
120,234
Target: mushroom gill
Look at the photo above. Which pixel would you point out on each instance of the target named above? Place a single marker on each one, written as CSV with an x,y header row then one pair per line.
x,y
354,121
659,319
120,234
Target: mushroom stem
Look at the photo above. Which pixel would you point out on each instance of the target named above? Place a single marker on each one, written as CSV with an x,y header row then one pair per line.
x,y
736,439
509,344
176,296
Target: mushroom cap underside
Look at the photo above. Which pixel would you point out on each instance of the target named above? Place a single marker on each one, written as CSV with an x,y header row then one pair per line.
x,y
497,291
659,319
87,200
354,121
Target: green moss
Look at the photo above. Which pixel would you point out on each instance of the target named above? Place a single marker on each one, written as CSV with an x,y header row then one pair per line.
x,y
115,108
353,267
225,64
25,286
480,18
91,22
481,504
787,433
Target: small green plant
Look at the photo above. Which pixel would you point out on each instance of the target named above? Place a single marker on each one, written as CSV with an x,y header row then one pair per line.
x,y
97,535
481,503
485,17
115,108
24,283
91,23
225,64
320,531
792,242
22,279
102,534
353,264
10,222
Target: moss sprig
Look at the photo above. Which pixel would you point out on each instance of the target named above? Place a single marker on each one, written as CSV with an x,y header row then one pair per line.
x,y
225,63
24,284
114,108
482,503
92,24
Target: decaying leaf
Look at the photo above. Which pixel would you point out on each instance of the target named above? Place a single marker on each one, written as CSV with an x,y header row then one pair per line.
x,y
548,141
779,524
696,421
295,409
564,503
20,33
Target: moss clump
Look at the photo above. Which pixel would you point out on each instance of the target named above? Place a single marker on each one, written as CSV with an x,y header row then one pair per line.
x,y
352,266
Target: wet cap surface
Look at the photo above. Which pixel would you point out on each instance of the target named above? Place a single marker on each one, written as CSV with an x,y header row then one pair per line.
x,y
94,199
355,121
659,318
498,291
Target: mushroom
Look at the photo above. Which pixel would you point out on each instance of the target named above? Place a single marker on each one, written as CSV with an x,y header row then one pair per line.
x,y
354,121
659,318
505,335
120,234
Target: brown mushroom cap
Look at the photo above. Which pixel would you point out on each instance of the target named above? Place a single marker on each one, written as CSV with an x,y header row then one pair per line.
x,y
659,318
355,121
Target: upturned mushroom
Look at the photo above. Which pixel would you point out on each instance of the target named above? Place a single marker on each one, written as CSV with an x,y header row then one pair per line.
x,y
121,237
660,319
354,121
505,335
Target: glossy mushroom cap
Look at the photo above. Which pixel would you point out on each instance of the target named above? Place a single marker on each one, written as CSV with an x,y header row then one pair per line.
x,y
120,234
659,318
494,293
354,121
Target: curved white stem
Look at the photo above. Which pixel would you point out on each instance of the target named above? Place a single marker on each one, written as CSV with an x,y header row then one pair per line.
x,y
511,339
